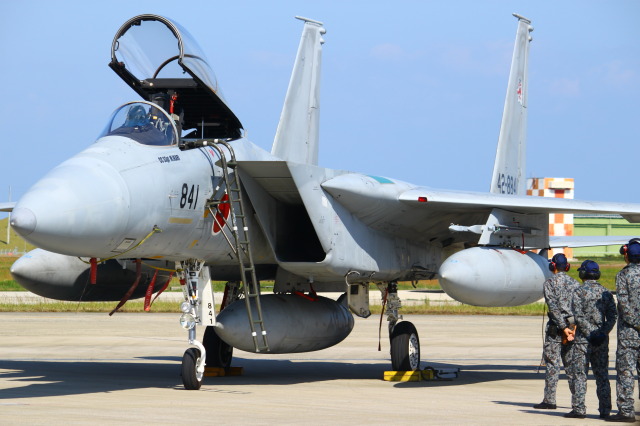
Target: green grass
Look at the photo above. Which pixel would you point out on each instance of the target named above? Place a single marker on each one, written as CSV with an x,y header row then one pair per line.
x,y
609,268
534,309
5,264
15,243
10,285
106,307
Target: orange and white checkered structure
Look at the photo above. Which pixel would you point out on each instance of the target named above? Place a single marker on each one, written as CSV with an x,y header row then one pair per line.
x,y
559,224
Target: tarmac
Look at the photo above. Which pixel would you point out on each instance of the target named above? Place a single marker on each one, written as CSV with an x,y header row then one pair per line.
x,y
79,368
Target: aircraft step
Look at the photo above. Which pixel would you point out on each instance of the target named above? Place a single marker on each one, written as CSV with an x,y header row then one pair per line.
x,y
262,348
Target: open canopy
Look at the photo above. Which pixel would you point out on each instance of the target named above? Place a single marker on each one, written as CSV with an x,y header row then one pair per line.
x,y
160,60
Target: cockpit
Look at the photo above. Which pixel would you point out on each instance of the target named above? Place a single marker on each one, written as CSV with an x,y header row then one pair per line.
x,y
143,122
160,60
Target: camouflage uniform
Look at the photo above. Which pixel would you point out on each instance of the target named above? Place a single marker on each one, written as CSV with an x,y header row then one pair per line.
x,y
628,352
594,311
558,291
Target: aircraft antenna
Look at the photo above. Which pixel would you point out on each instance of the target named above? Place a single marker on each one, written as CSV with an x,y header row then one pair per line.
x,y
313,21
9,222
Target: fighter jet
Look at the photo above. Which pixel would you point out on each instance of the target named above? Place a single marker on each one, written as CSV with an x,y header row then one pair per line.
x,y
173,186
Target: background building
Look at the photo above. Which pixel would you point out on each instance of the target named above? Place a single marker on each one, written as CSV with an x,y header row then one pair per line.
x,y
580,225
603,224
559,224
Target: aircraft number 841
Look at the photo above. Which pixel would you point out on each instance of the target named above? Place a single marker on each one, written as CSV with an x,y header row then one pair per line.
x,y
187,196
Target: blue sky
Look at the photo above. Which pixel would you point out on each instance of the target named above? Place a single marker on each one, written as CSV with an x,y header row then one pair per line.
x,y
411,90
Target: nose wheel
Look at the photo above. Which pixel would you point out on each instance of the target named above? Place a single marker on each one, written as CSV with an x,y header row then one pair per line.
x,y
197,309
191,377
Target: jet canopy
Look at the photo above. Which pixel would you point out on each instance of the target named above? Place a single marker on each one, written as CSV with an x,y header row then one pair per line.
x,y
163,64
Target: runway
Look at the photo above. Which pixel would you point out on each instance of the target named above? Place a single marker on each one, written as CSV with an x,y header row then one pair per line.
x,y
92,368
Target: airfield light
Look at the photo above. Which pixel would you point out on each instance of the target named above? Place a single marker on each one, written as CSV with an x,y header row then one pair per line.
x,y
185,307
187,321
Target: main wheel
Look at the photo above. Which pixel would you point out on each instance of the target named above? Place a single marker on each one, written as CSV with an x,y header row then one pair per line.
x,y
219,354
405,347
191,379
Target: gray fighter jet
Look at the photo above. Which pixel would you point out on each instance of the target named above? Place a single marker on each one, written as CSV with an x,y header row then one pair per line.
x,y
172,186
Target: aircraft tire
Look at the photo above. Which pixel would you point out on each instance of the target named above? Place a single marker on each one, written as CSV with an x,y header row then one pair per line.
x,y
190,377
219,353
405,347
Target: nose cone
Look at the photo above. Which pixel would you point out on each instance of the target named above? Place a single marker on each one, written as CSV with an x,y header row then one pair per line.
x,y
78,209
23,221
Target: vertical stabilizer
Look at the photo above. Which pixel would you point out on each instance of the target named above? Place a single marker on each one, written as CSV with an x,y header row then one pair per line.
x,y
509,168
298,130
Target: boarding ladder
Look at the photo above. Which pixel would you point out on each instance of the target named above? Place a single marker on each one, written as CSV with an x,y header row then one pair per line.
x,y
239,241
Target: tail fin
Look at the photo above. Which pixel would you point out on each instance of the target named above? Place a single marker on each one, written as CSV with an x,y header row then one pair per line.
x,y
298,130
509,168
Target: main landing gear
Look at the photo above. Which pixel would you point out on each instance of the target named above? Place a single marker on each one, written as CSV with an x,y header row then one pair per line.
x,y
405,347
219,354
405,343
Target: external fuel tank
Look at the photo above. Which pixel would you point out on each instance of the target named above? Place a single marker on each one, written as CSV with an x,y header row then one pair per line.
x,y
486,276
293,323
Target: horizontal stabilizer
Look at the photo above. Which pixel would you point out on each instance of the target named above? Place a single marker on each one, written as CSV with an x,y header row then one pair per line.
x,y
588,241
7,207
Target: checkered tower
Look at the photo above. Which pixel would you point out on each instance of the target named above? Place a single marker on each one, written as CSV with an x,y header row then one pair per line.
x,y
559,224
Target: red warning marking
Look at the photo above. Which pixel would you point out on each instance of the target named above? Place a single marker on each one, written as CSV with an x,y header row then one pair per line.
x,y
222,214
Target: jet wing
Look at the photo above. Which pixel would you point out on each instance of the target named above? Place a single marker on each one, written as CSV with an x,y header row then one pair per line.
x,y
424,214
7,207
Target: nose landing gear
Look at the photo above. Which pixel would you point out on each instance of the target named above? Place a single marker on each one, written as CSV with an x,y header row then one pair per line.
x,y
197,309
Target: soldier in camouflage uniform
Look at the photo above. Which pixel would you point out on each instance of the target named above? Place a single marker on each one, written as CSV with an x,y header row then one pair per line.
x,y
558,291
628,351
595,315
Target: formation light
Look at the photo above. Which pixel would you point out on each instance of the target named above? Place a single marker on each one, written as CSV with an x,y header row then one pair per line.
x,y
187,321
185,307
